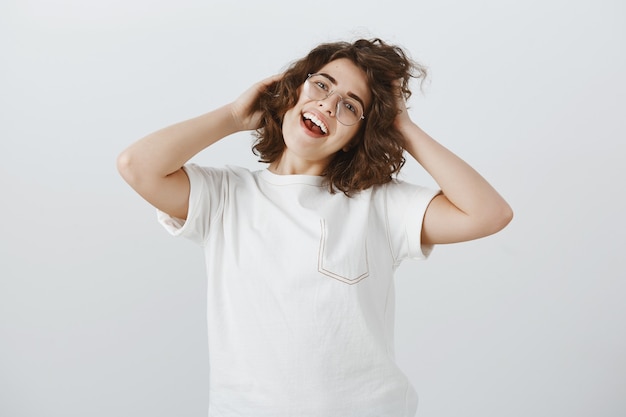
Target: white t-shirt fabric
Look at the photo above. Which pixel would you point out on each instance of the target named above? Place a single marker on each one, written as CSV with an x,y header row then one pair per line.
x,y
300,303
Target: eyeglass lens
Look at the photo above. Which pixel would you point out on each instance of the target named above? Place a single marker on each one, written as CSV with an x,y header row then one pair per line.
x,y
318,87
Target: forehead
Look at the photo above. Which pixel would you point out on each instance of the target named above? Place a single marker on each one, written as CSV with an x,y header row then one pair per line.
x,y
348,78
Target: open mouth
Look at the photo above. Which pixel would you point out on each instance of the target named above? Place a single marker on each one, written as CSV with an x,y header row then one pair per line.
x,y
314,124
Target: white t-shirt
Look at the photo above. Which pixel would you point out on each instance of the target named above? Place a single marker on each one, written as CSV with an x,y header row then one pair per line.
x,y
300,291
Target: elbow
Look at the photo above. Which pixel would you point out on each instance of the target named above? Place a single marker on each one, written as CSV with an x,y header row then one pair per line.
x,y
509,215
493,219
124,165
128,168
501,217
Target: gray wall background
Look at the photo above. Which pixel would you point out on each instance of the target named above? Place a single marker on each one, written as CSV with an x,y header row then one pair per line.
x,y
102,313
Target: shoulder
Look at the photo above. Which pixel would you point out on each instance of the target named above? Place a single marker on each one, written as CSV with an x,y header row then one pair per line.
x,y
212,173
398,196
400,187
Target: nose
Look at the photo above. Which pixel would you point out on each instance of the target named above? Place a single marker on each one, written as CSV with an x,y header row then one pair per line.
x,y
330,103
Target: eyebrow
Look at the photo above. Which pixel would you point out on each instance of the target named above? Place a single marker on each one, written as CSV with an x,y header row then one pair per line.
x,y
332,80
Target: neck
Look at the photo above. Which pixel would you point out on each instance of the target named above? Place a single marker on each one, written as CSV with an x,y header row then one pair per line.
x,y
287,166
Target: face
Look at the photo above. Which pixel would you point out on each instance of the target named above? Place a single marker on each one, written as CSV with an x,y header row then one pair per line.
x,y
311,130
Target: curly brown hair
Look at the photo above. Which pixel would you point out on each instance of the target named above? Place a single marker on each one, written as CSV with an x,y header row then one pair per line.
x,y
377,151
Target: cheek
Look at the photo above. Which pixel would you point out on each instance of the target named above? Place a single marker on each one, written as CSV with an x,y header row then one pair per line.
x,y
353,134
355,139
291,116
296,109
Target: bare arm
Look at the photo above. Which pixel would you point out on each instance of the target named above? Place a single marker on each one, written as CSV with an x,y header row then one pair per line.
x,y
152,166
469,207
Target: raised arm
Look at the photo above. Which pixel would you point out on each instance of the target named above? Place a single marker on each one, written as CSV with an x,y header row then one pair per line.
x,y
468,207
152,166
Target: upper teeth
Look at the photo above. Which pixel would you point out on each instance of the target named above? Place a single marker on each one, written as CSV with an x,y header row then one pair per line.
x,y
317,122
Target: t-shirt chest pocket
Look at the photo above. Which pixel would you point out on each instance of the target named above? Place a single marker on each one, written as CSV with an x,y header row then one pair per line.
x,y
343,252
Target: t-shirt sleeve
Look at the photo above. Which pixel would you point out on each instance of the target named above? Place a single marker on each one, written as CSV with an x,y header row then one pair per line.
x,y
205,202
406,206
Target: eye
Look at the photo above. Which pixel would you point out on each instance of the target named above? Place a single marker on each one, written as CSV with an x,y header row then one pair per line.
x,y
321,85
350,106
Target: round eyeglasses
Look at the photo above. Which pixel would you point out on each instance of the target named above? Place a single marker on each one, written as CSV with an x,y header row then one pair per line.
x,y
349,111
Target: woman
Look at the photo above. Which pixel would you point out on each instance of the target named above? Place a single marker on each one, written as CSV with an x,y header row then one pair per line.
x,y
300,256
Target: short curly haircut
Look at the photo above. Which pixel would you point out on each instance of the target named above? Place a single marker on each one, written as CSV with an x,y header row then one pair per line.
x,y
377,151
